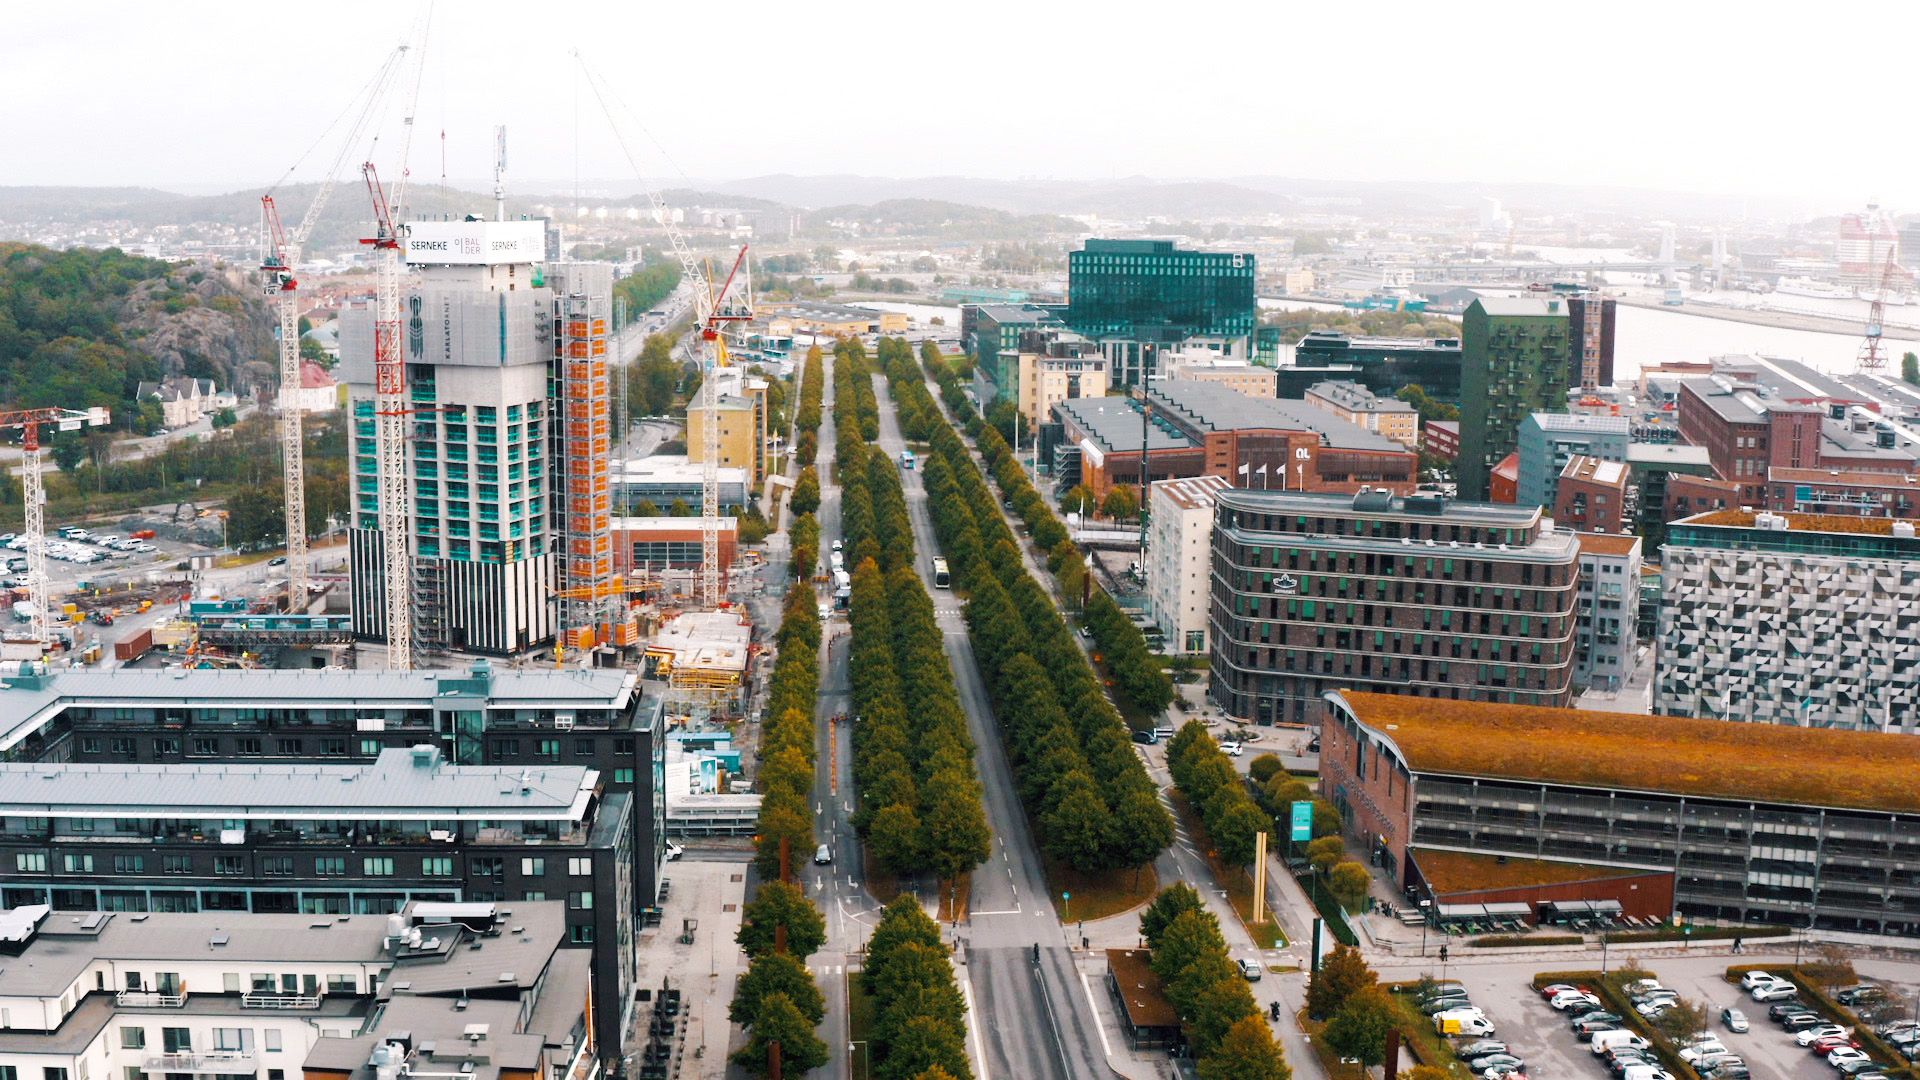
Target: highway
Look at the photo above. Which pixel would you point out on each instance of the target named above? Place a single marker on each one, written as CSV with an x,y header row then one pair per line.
x,y
1040,1020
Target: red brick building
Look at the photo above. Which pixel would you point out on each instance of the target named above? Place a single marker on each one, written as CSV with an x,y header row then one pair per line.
x,y
1690,495
668,543
1752,426
1844,492
1503,484
1592,495
1441,438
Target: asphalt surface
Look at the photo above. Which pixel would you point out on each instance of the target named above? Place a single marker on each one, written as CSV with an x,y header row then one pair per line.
x,y
1038,1021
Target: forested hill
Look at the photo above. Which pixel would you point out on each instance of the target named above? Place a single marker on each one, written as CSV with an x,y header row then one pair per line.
x,y
84,327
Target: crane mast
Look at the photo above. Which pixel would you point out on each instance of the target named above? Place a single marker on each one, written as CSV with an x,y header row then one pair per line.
x,y
390,429
28,422
1871,358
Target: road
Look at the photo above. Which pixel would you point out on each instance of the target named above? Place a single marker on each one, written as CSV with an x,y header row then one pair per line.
x,y
1042,1022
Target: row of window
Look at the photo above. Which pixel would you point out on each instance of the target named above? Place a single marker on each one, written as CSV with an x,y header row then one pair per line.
x,y
167,746
35,862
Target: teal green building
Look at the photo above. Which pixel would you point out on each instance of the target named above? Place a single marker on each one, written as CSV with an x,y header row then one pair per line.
x,y
1140,298
1516,358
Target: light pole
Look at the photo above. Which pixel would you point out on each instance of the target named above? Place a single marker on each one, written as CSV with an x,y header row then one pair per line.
x,y
1426,920
1603,952
866,1057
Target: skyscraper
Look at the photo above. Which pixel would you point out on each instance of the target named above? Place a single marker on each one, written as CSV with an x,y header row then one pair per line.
x,y
1140,298
1517,357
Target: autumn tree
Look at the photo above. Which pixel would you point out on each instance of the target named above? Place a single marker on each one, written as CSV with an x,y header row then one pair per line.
x,y
1349,881
1246,1052
1342,974
1359,1029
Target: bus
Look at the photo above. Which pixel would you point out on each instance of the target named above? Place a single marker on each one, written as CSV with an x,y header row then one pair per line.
x,y
941,580
906,460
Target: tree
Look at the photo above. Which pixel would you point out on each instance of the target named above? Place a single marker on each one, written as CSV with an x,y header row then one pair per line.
x,y
1910,368
1349,881
1174,900
1830,967
806,492
782,1022
256,516
1326,853
1217,1006
1079,500
1416,395
224,418
1685,1018
1142,829
1121,503
922,1044
776,973
1235,830
893,837
1246,1052
957,836
1264,768
1359,1029
1342,974
68,450
777,904
1426,1072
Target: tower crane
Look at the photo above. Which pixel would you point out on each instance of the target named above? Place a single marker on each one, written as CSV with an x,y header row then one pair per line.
x,y
390,430
281,252
1870,358
28,422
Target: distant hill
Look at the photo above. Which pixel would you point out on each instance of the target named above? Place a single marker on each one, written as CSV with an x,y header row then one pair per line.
x,y
933,217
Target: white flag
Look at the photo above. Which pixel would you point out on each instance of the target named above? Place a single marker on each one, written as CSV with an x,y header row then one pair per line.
x,y
1243,470
1262,470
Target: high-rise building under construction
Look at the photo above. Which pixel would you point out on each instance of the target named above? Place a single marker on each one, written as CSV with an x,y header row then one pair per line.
x,y
506,381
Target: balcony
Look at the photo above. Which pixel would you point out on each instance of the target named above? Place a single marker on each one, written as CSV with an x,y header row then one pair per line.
x,y
150,999
214,1062
271,999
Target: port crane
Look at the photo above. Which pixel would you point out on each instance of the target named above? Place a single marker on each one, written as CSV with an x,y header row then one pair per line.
x,y
281,250
28,422
1870,359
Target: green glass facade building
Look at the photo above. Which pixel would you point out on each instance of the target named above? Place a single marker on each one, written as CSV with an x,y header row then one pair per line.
x,y
1516,358
1139,298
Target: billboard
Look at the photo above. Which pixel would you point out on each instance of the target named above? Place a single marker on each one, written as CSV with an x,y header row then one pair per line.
x,y
1302,822
474,243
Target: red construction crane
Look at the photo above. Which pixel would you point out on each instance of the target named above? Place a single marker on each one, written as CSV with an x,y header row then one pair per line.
x,y
28,421
389,424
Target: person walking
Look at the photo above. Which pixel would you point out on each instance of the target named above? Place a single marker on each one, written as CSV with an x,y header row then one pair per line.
x,y
1736,945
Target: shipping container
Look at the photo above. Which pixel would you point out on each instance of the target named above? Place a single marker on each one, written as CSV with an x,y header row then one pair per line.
x,y
133,648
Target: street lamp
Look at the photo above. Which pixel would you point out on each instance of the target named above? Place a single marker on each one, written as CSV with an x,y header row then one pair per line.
x,y
866,1068
1426,920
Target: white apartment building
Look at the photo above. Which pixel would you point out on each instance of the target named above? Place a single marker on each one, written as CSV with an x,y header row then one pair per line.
x,y
1202,365
1177,559
1608,609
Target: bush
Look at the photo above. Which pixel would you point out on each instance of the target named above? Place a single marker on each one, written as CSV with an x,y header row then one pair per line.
x,y
1521,941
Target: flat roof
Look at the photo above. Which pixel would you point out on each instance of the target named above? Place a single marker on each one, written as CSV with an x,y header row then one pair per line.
x,y
1677,755
1383,504
672,468
1516,306
1190,492
1352,395
1655,454
1615,544
1851,477
398,785
1141,990
1214,407
1598,470
1611,425
669,524
1467,872
1114,424
1801,523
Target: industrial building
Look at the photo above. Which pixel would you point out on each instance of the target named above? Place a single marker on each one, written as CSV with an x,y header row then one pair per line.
x,y
1476,803
1517,357
1358,405
324,839
649,545
1179,546
1790,619
1143,300
833,320
274,996
1415,595
1592,495
1607,619
1382,365
1547,441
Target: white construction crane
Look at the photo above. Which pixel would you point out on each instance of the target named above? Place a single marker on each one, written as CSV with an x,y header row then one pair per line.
x,y
281,252
28,421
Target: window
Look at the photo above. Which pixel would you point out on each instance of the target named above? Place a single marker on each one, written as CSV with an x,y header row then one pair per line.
x,y
271,1038
377,866
133,1038
580,867
90,745
78,864
290,746
176,1040
492,866
548,749
208,747
53,1072
504,749
176,864
583,748
129,864
233,1040
30,862
330,866
369,747
276,865
580,935
121,747
580,901
533,868
342,984
437,866
247,744
164,747
333,747
534,894
230,864
132,1073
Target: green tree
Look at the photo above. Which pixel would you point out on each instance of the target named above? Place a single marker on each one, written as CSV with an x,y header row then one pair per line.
x,y
1079,500
1174,901
1142,829
918,1045
1121,503
680,509
957,835
1246,1052
1235,830
256,516
780,1021
1342,974
1359,1029
1348,881
1264,768
1910,368
1218,1006
776,973
1187,937
893,838
1684,1019
224,418
806,492
1076,827
1416,395
1326,853
778,904
68,450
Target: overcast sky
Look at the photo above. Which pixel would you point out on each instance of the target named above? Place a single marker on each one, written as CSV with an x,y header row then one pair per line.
x,y
1675,95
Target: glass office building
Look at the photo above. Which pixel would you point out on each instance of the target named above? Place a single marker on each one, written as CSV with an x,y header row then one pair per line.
x,y
1143,297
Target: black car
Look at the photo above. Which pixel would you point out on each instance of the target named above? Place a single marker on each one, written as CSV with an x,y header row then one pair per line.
x,y
1586,1033
1780,1010
1863,992
1583,1009
1802,1021
1480,1048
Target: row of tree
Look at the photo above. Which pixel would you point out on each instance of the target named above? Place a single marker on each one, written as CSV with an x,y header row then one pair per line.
x,y
1205,775
919,1022
1138,678
1086,792
1230,1039
777,1000
806,418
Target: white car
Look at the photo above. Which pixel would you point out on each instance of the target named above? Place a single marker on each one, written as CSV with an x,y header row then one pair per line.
x,y
1231,748
107,540
1702,1049
146,549
1776,991
1843,1054
1568,998
1815,1034
1752,979
1655,1008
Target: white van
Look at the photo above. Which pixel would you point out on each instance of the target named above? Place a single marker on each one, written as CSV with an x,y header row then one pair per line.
x,y
1468,1022
1645,1072
1604,1041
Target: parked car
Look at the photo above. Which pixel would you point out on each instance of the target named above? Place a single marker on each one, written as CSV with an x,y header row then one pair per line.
x,y
1251,970
1703,1048
1780,1010
1774,991
1853,994
1735,1020
1727,1072
1718,1061
1503,1072
1857,1066
1641,986
1564,1000
1656,1008
1809,1036
1553,990
1840,1055
1583,1008
1479,1048
1443,1004
1752,979
1231,748
1827,1044
1482,1064
1587,1030
1595,1017
146,549
1802,1020
1610,1041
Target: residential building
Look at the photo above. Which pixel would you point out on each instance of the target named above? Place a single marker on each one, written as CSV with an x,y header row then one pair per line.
x,y
1504,485
478,339
1179,539
652,544
664,479
1356,404
1592,495
990,333
1654,466
1296,281
1792,619
1643,815
741,405
1414,595
1517,357
1141,299
1055,366
184,400
1843,492
1547,441
318,391
236,995
323,839
1441,438
1201,366
1690,495
1577,302
1382,365
1607,624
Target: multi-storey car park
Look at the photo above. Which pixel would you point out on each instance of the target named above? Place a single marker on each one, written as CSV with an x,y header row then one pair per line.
x,y
1476,803
330,840
1410,595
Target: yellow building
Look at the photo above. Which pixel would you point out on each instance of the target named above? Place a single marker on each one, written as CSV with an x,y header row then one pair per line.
x,y
742,409
1046,380
1356,404
1200,365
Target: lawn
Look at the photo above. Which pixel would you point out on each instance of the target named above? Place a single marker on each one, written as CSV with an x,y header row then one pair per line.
x,y
859,1022
1236,880
1098,895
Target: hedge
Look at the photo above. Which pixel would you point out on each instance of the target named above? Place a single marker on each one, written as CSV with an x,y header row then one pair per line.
x,y
1521,941
1893,1062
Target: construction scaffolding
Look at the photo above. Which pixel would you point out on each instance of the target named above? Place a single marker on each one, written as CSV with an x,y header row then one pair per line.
x,y
592,599
704,658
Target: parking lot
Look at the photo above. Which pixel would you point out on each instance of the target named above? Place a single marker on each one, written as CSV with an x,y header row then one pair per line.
x,y
1543,1038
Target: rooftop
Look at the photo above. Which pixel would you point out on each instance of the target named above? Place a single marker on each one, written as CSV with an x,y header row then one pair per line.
x,y
1113,424
1353,396
1805,523
669,524
1668,455
1507,307
1383,504
1550,421
1192,492
1008,314
1213,407
1597,470
1864,770
1147,1004
1607,544
713,640
400,784
1450,872
671,469
1852,477
1320,339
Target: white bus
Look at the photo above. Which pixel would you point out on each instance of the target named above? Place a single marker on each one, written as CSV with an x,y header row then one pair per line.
x,y
941,579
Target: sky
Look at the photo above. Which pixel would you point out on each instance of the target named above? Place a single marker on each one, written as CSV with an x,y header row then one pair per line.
x,y
1805,101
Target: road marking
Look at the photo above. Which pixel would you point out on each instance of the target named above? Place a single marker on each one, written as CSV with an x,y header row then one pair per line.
x,y
1098,1027
973,1026
1015,911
